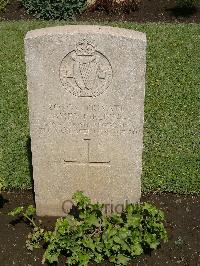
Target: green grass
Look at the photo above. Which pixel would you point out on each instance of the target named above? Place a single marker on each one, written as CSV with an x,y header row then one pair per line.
x,y
172,106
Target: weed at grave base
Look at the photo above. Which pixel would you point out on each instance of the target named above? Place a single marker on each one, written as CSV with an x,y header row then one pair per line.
x,y
88,235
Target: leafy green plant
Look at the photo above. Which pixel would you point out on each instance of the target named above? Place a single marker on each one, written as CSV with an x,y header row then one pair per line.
x,y
3,4
89,235
187,3
54,9
27,214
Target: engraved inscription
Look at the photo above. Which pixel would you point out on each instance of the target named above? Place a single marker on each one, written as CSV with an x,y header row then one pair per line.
x,y
85,72
87,120
89,161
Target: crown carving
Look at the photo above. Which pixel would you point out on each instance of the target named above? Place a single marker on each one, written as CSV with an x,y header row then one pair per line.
x,y
85,48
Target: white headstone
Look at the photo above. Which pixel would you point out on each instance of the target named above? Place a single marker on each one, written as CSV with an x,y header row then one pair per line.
x,y
86,89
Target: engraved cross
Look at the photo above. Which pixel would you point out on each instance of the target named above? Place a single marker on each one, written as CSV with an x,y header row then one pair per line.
x,y
89,162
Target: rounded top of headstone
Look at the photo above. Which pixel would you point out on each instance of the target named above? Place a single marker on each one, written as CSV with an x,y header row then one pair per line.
x,y
88,29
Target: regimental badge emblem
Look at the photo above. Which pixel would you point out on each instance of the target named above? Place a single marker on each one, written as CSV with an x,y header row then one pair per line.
x,y
85,72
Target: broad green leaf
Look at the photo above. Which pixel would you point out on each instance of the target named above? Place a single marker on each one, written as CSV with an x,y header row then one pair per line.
x,y
16,211
30,211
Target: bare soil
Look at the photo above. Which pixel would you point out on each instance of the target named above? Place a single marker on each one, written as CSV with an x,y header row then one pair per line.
x,y
182,223
148,11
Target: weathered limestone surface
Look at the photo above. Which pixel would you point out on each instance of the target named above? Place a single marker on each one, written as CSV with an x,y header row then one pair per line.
x,y
86,100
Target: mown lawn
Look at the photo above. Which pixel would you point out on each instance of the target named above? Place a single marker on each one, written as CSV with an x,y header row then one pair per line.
x,y
171,154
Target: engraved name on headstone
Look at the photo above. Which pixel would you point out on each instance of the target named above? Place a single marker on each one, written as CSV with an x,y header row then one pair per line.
x,y
86,102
